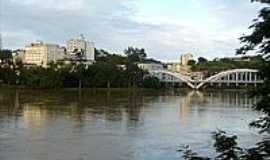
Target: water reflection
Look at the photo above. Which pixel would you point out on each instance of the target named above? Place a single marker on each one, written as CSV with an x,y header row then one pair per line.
x,y
67,124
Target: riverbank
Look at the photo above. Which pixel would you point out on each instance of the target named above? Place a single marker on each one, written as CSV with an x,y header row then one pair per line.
x,y
4,86
108,91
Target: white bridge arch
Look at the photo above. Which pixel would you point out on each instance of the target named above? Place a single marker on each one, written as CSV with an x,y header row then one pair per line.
x,y
172,77
235,76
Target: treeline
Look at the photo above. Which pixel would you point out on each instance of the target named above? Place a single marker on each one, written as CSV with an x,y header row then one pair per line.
x,y
109,70
218,65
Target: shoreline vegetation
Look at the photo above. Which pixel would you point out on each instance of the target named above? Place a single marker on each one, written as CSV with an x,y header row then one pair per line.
x,y
132,89
109,71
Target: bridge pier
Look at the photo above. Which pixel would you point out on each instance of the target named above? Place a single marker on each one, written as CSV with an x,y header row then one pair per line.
x,y
236,79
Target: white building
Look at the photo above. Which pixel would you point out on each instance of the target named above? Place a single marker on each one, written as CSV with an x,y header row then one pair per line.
x,y
18,55
185,58
174,67
81,45
150,66
40,53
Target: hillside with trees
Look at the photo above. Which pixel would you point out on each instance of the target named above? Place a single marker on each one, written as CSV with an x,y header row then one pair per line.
x,y
218,65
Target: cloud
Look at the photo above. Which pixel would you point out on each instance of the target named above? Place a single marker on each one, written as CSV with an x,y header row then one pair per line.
x,y
210,29
54,24
52,4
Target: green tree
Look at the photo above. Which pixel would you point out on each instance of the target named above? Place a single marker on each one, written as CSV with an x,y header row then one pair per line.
x,y
135,54
134,74
191,62
214,66
202,60
5,54
151,82
77,71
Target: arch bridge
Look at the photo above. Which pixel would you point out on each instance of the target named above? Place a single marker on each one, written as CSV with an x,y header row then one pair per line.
x,y
236,77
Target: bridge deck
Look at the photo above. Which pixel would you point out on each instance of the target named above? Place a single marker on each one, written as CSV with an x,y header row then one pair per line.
x,y
236,76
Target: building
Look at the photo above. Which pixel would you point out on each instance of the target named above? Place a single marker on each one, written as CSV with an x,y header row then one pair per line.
x,y
185,58
181,66
18,55
40,53
80,44
150,66
174,67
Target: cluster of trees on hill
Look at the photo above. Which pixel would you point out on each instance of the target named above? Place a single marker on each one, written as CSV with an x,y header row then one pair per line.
x,y
226,145
222,64
109,70
132,55
5,55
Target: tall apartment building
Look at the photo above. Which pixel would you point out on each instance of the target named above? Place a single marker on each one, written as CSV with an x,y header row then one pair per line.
x,y
81,44
40,53
185,58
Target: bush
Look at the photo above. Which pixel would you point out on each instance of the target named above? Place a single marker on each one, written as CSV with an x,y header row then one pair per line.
x,y
151,82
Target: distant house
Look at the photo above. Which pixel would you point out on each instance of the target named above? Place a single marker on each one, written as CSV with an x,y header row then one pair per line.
x,y
80,44
150,66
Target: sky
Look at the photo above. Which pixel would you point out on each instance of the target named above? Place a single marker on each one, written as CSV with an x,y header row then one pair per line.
x,y
165,28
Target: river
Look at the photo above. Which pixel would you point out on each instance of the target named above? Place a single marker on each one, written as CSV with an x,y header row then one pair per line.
x,y
118,124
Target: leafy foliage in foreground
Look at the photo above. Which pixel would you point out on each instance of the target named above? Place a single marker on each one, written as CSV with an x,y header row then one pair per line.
x,y
226,148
